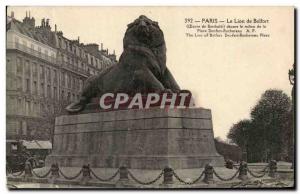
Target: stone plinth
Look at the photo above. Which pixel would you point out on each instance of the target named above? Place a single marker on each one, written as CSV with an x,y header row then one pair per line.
x,y
140,139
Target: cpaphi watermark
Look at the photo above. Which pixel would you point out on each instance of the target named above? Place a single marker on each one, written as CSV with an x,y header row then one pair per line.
x,y
109,101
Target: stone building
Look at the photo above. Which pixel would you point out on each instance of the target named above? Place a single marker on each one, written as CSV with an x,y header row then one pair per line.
x,y
44,71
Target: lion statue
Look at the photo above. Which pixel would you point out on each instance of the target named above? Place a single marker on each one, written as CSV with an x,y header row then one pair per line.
x,y
141,67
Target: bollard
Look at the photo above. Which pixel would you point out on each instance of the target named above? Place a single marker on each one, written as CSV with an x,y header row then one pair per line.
x,y
272,169
28,169
54,171
168,175
229,164
86,174
123,174
86,171
243,171
208,174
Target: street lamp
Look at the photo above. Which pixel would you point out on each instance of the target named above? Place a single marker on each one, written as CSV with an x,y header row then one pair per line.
x,y
244,151
292,76
292,82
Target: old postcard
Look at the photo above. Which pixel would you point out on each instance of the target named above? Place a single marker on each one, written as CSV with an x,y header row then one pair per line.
x,y
150,97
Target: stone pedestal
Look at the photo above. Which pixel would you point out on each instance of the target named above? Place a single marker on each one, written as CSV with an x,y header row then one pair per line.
x,y
142,139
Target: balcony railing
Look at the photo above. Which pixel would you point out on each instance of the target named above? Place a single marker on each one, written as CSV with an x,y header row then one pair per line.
x,y
26,49
74,68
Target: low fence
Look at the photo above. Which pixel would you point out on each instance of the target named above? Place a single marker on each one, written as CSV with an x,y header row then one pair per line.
x,y
125,175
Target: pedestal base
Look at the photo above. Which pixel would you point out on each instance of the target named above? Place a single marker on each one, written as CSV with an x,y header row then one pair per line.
x,y
140,139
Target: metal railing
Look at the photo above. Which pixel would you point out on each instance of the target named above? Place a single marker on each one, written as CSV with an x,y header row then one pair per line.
x,y
125,175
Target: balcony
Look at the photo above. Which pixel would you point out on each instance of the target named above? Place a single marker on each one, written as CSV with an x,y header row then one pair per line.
x,y
30,51
75,69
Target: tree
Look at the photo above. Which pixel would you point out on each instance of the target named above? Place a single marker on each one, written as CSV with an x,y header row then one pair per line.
x,y
270,119
44,128
238,133
268,133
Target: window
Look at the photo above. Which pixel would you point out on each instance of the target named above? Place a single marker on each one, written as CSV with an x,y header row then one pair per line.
x,y
19,83
49,91
27,107
17,42
35,71
62,94
46,52
68,81
24,45
27,67
63,78
48,74
74,83
19,66
69,96
42,107
80,84
54,76
40,51
19,103
71,82
52,57
42,71
55,93
35,108
27,85
42,90
34,87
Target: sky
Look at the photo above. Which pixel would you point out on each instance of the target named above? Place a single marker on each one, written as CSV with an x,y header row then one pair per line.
x,y
226,75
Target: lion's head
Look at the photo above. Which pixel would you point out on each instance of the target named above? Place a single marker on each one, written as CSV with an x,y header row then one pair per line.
x,y
146,33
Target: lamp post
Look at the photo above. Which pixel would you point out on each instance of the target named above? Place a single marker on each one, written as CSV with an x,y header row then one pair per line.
x,y
292,82
244,152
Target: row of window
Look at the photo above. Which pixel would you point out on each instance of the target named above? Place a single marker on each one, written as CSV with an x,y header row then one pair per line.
x,y
99,63
32,68
46,73
77,64
64,44
46,91
26,107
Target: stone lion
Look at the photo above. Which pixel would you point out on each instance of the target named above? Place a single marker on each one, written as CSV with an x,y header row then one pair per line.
x,y
141,67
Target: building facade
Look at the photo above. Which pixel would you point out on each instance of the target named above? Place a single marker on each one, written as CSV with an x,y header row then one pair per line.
x,y
44,72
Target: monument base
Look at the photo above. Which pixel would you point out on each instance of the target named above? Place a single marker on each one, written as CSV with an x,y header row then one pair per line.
x,y
139,139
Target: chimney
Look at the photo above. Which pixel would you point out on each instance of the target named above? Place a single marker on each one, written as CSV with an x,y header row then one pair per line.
x,y
92,48
26,14
29,14
101,46
107,51
114,52
78,39
55,27
12,14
